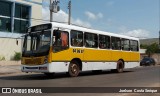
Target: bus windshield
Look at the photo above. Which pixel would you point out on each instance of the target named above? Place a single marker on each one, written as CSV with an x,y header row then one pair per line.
x,y
37,44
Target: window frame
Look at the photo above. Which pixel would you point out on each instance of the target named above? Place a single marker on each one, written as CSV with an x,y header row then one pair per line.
x,y
95,41
21,19
72,31
10,9
116,47
106,37
137,45
8,16
62,48
24,21
21,9
123,44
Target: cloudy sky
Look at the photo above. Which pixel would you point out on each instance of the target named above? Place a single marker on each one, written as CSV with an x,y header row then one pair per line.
x,y
138,18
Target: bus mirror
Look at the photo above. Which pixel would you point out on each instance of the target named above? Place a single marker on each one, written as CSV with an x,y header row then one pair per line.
x,y
54,39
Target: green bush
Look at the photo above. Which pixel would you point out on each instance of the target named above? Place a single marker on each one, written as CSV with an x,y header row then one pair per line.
x,y
17,56
2,58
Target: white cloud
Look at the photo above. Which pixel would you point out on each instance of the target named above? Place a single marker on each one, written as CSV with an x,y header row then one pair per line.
x,y
90,15
93,16
62,16
100,15
82,23
140,33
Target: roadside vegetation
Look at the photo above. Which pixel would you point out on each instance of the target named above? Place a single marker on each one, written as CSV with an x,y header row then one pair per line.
x,y
17,56
2,58
151,49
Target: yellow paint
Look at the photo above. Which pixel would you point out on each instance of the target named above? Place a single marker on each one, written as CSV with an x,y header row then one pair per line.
x,y
66,55
86,55
33,60
50,55
95,55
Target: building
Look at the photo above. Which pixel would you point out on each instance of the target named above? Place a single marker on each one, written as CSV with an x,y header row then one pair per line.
x,y
15,17
143,53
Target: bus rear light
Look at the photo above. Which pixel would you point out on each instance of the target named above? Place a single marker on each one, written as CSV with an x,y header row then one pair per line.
x,y
42,68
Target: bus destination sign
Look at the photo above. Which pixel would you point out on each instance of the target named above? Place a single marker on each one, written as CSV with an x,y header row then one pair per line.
x,y
39,27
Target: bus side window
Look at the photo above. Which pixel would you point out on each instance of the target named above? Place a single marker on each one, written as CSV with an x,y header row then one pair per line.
x,y
64,39
76,38
91,40
134,45
61,40
104,42
116,43
113,42
125,44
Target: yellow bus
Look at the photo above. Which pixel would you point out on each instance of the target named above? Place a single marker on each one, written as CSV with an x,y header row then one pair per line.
x,y
56,47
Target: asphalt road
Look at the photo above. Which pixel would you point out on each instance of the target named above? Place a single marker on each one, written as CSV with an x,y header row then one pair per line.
x,y
136,77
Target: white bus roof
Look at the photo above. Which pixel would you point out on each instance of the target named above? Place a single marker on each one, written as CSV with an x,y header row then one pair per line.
x,y
83,29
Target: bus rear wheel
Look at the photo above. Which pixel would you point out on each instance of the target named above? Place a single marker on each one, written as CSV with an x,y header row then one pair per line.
x,y
74,69
120,66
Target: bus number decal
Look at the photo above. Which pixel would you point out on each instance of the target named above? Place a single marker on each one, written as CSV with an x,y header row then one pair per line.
x,y
78,51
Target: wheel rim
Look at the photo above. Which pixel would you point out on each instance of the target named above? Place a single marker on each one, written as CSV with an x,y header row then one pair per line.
x,y
74,69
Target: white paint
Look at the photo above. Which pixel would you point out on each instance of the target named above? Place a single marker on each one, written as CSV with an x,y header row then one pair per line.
x,y
86,66
53,67
98,65
58,67
24,69
132,64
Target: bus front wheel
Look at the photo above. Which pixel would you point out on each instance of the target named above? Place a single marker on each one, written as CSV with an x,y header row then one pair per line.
x,y
74,69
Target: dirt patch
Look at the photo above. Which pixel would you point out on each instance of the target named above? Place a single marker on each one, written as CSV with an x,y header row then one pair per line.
x,y
8,63
5,73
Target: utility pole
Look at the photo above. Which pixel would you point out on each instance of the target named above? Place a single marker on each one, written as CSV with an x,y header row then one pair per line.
x,y
51,12
53,8
159,39
69,17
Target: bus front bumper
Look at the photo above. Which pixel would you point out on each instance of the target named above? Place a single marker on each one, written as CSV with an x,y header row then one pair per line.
x,y
35,68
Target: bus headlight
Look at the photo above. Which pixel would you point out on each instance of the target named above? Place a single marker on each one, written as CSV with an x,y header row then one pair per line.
x,y
46,59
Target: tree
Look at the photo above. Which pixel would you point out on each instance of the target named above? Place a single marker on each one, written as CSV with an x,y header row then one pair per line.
x,y
143,46
151,49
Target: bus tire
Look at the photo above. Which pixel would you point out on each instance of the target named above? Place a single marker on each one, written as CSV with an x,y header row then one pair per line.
x,y
74,69
120,66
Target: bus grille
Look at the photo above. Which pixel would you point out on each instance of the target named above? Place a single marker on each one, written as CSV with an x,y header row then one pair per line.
x,y
34,61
